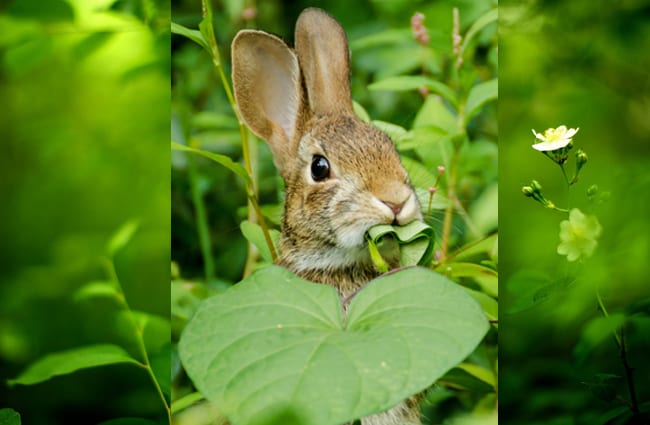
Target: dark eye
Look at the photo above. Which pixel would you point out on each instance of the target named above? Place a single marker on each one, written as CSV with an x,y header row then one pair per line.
x,y
320,168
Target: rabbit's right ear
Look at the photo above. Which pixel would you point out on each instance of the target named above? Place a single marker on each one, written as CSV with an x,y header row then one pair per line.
x,y
268,91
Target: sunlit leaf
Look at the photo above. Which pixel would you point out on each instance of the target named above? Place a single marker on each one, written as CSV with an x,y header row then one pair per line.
x,y
69,361
98,289
434,113
254,234
415,241
361,112
484,276
220,159
122,237
281,340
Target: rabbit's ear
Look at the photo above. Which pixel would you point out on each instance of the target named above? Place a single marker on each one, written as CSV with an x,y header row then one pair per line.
x,y
268,91
322,49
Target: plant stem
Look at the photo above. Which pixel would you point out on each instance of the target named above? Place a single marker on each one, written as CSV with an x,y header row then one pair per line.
x,y
203,228
110,263
628,374
451,195
251,187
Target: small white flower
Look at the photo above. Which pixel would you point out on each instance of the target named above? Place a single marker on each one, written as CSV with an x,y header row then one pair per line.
x,y
554,138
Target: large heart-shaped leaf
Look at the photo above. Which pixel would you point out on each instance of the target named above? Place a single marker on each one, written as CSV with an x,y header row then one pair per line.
x,y
275,342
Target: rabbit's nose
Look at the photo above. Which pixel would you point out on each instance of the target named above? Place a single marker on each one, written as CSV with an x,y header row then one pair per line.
x,y
395,208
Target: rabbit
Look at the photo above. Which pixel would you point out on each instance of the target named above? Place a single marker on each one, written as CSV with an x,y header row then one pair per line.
x,y
342,176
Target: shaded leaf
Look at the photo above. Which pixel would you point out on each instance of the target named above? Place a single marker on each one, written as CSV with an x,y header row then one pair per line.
x,y
595,332
193,35
9,417
281,340
65,362
480,95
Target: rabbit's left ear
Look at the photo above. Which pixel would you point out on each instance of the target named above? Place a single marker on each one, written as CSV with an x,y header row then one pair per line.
x,y
268,90
324,56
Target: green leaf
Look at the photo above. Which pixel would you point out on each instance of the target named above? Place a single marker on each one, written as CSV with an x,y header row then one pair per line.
x,y
414,82
9,417
484,211
122,237
254,234
98,289
220,159
595,332
479,372
282,340
394,131
185,402
484,276
193,35
434,113
527,289
360,111
415,241
65,362
490,16
480,95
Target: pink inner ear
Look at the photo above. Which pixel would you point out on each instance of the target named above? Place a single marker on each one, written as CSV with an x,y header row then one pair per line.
x,y
280,98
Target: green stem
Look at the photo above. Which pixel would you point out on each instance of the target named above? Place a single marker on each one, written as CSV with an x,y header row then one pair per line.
x,y
251,187
142,349
203,228
566,178
185,402
628,375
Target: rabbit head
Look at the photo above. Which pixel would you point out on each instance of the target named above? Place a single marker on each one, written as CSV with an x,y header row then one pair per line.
x,y
342,175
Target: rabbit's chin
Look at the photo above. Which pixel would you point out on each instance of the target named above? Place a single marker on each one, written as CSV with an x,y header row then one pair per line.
x,y
340,257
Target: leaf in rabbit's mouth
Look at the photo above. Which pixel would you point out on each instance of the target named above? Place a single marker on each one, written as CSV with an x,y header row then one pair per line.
x,y
415,242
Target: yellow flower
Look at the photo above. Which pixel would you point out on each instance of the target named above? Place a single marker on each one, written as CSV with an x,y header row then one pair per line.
x,y
578,235
554,138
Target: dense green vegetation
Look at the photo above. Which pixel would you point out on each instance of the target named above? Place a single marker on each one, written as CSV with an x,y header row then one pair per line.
x,y
580,64
85,128
428,80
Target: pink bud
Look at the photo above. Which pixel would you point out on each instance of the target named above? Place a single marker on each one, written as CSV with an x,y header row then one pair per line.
x,y
432,190
249,13
441,169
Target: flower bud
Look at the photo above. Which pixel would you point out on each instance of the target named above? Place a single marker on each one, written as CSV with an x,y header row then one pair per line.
x,y
537,188
528,191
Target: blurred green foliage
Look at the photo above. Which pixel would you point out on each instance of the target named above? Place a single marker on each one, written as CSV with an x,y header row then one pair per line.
x,y
451,122
581,64
85,94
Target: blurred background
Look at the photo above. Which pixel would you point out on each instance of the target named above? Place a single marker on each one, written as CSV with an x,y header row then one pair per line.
x,y
84,87
580,64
